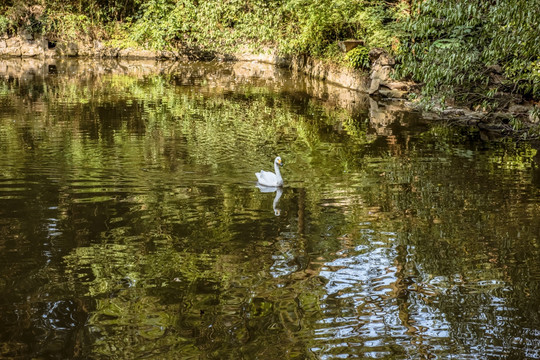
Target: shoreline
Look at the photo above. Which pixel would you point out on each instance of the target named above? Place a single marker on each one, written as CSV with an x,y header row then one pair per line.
x,y
515,121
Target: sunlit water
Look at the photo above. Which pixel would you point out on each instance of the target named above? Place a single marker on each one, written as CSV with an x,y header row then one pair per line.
x,y
131,226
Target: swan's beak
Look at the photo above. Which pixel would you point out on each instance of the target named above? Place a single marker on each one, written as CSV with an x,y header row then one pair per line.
x,y
280,163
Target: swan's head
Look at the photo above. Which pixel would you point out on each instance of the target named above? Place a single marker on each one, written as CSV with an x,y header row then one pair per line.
x,y
278,161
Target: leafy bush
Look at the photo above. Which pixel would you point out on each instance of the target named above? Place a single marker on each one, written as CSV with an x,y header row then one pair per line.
x,y
313,26
155,26
534,114
453,47
4,24
24,15
293,26
68,26
359,57
213,25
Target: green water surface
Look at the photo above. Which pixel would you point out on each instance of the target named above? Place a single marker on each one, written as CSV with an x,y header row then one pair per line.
x,y
131,226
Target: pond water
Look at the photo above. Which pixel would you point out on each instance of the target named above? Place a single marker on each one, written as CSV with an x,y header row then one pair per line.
x,y
131,226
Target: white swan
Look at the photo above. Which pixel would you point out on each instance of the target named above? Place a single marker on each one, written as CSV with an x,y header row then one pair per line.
x,y
266,178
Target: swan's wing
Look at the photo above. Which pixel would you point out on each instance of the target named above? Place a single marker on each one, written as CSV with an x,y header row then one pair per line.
x,y
265,175
266,178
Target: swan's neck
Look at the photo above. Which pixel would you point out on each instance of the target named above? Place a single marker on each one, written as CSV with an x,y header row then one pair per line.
x,y
276,169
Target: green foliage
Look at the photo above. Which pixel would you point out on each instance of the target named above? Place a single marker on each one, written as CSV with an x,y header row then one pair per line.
x,y
318,24
359,57
292,26
98,11
534,114
466,51
4,24
23,15
516,123
212,25
156,26
69,26
451,45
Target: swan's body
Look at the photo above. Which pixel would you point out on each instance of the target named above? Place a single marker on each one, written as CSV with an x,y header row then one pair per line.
x,y
267,178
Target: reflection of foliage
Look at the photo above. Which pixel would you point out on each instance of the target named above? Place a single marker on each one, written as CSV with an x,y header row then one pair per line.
x,y
506,154
210,125
155,219
164,141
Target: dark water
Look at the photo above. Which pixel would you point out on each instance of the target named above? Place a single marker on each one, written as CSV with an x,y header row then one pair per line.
x,y
131,227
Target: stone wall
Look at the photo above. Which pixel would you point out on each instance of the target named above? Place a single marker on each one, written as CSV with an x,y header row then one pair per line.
x,y
378,81
381,82
346,77
27,46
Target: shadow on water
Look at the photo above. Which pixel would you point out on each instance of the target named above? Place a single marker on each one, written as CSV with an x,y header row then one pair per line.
x,y
130,225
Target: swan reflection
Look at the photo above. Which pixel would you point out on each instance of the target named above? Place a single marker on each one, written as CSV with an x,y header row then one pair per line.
x,y
278,191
